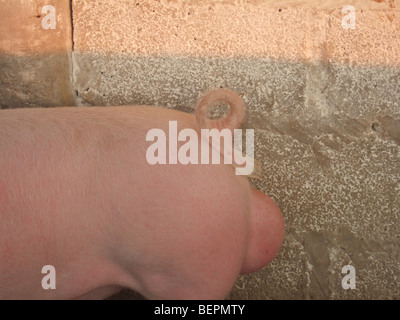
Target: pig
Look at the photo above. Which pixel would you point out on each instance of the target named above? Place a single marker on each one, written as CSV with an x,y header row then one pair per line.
x,y
77,193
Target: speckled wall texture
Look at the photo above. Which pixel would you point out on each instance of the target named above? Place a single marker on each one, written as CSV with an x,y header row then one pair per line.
x,y
324,101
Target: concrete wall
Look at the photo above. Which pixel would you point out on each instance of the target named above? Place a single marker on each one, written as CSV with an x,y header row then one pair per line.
x,y
324,102
35,63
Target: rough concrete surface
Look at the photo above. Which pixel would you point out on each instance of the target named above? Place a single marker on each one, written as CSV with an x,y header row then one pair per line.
x,y
324,102
35,63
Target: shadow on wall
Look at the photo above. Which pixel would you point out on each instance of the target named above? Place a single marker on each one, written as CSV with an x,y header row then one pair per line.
x,y
327,136
35,81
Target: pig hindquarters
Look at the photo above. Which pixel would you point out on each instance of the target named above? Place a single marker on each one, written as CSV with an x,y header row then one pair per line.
x,y
77,193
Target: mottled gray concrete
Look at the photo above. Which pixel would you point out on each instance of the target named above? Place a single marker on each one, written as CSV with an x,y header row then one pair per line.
x,y
36,81
35,63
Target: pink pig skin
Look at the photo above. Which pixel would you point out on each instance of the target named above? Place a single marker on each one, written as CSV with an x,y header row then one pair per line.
x,y
77,193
